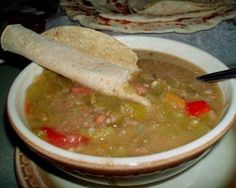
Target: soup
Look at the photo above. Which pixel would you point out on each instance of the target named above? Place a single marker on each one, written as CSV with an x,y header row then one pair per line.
x,y
76,118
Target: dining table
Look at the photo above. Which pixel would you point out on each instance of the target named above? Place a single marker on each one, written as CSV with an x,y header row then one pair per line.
x,y
217,169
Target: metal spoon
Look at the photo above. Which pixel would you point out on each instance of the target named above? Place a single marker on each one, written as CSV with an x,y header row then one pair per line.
x,y
217,76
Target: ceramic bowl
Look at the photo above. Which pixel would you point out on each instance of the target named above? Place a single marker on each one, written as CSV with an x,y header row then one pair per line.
x,y
128,170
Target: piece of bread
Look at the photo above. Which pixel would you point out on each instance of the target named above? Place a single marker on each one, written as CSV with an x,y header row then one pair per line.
x,y
96,44
94,72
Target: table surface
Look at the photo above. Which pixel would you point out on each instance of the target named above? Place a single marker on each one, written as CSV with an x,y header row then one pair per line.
x,y
220,42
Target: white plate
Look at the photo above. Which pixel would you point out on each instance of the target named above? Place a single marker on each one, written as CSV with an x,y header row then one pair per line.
x,y
216,170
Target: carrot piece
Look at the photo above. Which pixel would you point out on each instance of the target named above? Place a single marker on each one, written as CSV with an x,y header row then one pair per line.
x,y
81,90
175,99
196,108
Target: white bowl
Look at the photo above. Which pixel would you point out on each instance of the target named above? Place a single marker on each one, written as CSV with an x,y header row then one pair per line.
x,y
128,170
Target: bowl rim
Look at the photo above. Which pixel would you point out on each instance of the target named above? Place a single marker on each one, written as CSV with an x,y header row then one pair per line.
x,y
153,161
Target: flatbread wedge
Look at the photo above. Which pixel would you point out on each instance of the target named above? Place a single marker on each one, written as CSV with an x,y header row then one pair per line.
x,y
163,18
94,72
169,7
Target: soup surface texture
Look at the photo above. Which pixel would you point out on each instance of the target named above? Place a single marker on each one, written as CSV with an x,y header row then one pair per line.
x,y
76,118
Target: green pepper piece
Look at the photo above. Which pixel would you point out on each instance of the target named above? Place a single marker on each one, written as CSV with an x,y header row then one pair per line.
x,y
102,133
134,110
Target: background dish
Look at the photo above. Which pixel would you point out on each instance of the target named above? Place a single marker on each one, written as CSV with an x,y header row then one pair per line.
x,y
124,16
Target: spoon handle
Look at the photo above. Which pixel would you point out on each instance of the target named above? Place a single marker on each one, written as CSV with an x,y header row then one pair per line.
x,y
216,76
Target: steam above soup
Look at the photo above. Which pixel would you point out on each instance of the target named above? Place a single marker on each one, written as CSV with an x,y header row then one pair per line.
x,y
76,118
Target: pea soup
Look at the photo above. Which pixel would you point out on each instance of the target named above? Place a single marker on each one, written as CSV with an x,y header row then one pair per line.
x,y
78,119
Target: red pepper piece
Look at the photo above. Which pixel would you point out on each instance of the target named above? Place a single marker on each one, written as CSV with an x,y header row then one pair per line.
x,y
54,137
196,108
64,140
